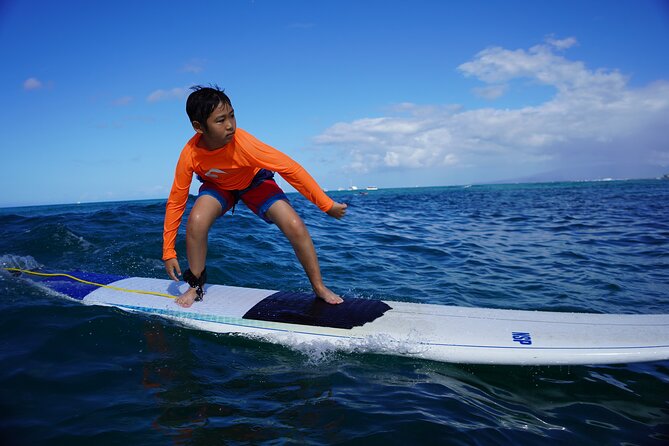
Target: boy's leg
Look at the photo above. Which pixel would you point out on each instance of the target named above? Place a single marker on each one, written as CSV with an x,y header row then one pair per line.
x,y
285,217
204,213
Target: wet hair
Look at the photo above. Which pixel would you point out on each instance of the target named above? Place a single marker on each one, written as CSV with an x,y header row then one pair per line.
x,y
202,102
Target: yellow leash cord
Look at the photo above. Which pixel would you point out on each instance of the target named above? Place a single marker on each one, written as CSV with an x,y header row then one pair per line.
x,y
111,287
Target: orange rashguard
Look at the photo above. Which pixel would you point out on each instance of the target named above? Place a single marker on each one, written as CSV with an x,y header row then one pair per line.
x,y
232,167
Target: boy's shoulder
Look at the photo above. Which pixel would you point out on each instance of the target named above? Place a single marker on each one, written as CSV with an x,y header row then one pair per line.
x,y
246,141
192,142
244,134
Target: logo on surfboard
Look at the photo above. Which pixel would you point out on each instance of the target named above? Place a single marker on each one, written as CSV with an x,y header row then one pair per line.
x,y
522,338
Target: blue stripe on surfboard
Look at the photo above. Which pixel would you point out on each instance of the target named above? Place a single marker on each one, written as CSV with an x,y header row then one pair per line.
x,y
75,289
268,326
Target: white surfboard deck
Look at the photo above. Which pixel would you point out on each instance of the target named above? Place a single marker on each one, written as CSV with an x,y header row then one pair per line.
x,y
427,331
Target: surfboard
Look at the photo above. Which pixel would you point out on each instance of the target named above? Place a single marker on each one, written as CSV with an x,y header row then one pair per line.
x,y
427,331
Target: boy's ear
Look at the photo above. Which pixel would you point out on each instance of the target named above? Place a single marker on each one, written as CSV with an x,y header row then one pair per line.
x,y
197,127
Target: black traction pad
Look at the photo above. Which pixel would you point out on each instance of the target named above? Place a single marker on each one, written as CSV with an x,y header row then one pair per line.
x,y
306,309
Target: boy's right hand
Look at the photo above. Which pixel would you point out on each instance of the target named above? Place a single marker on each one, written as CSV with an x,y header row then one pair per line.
x,y
338,210
173,269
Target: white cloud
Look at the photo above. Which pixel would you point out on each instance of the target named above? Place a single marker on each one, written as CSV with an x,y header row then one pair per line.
x,y
124,100
594,116
301,25
32,84
491,92
562,44
166,95
194,66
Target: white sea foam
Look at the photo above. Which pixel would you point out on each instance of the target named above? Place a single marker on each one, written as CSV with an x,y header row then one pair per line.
x,y
69,238
17,261
326,348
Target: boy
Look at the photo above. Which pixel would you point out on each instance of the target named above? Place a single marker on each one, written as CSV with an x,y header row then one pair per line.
x,y
233,166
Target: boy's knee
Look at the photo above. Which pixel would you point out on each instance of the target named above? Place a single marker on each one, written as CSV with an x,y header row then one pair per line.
x,y
296,228
198,224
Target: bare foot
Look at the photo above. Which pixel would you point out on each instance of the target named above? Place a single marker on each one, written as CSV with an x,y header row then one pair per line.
x,y
187,298
329,296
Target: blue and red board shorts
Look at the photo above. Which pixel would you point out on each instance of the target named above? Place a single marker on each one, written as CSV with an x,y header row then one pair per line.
x,y
262,193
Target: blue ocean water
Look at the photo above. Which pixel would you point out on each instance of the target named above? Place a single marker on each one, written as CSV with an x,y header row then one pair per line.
x,y
72,374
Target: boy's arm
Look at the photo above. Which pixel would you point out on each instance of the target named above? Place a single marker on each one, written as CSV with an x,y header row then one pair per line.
x,y
176,204
267,157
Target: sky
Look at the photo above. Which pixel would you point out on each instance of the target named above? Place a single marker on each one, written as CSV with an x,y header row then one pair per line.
x,y
360,92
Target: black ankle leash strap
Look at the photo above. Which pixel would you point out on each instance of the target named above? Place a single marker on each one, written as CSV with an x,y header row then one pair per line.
x,y
196,282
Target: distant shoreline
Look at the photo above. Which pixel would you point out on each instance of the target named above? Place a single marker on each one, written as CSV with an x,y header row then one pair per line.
x,y
348,192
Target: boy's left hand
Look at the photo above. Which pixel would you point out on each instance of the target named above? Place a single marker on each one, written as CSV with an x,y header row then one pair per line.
x,y
338,210
173,269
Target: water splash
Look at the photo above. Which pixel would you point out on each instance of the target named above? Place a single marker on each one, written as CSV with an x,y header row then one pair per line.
x,y
324,350
17,261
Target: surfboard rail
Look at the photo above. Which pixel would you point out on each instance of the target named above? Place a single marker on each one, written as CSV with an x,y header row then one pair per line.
x,y
427,331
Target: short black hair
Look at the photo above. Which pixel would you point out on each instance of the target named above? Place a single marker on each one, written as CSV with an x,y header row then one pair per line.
x,y
202,102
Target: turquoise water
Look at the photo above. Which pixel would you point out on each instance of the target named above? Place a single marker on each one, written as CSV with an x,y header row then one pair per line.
x,y
72,374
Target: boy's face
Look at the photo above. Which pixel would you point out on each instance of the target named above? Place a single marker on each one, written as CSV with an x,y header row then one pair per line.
x,y
221,126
